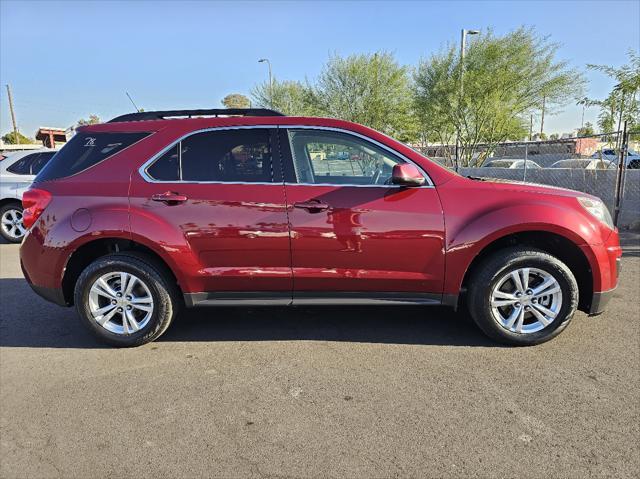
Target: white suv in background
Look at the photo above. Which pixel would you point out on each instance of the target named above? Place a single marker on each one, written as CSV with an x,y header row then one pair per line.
x,y
17,171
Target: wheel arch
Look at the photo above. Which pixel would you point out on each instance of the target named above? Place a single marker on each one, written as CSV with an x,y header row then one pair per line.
x,y
94,249
552,242
8,201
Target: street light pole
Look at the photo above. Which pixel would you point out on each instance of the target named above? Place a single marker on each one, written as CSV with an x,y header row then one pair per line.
x,y
463,41
266,60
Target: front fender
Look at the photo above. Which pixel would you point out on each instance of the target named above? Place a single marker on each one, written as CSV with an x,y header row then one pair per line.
x,y
467,237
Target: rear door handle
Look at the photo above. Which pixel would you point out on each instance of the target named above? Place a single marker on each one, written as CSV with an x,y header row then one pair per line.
x,y
312,206
169,197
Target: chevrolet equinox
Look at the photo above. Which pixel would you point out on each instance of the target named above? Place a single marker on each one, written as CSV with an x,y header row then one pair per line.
x,y
154,211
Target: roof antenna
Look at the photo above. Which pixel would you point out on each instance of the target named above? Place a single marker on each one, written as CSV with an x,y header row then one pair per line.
x,y
131,100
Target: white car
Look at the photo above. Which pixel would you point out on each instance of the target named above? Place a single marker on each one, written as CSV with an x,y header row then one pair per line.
x,y
17,172
585,164
633,158
511,163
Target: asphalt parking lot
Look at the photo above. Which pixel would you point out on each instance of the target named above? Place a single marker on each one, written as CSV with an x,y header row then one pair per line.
x,y
324,392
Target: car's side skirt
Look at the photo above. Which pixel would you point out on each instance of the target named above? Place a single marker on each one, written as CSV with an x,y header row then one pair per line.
x,y
305,298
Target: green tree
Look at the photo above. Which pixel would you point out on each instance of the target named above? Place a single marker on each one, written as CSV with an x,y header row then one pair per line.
x,y
622,103
505,78
10,139
554,136
93,119
586,130
371,89
236,100
292,98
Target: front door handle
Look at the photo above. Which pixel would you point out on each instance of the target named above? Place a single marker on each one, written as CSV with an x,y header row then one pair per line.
x,y
169,197
312,206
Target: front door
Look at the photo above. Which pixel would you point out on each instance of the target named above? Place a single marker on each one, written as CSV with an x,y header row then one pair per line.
x,y
214,196
353,234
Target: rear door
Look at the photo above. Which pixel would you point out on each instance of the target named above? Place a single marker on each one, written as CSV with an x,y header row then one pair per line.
x,y
353,234
215,196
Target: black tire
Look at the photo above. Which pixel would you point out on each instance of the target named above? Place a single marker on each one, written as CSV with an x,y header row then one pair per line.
x,y
164,291
493,268
7,207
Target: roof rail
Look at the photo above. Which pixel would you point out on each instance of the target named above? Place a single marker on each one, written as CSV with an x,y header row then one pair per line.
x,y
161,115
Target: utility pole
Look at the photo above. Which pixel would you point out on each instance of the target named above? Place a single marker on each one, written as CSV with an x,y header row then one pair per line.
x,y
544,99
530,126
619,140
13,116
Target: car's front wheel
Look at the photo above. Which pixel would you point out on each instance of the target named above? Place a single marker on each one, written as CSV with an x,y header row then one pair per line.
x,y
522,296
126,299
11,227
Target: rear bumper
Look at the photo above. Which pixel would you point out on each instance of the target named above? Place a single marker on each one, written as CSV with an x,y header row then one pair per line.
x,y
53,295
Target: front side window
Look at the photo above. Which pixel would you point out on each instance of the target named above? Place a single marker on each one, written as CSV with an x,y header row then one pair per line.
x,y
328,157
242,155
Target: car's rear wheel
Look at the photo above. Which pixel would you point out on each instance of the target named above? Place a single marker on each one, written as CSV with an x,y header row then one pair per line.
x,y
11,227
522,296
126,299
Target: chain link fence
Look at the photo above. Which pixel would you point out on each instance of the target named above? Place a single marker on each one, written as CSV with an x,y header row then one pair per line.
x,y
606,166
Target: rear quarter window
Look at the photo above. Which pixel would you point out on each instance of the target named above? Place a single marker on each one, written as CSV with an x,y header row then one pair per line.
x,y
23,165
86,150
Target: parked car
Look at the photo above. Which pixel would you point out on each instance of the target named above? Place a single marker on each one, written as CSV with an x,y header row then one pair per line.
x,y
509,163
135,218
585,164
613,155
17,171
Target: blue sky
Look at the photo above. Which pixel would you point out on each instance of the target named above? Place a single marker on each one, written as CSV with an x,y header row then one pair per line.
x,y
66,60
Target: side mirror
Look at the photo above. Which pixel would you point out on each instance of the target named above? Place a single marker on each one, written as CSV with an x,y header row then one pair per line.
x,y
406,174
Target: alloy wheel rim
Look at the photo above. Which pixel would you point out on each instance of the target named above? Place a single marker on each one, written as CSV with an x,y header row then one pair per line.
x,y
120,302
526,300
12,223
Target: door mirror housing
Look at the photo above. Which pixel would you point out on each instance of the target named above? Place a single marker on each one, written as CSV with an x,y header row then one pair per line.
x,y
406,174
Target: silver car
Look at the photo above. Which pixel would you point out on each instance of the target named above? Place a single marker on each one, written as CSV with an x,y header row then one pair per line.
x,y
17,172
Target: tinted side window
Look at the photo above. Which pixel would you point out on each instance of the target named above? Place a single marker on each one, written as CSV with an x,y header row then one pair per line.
x,y
634,165
242,155
339,159
23,165
227,155
86,150
167,167
40,162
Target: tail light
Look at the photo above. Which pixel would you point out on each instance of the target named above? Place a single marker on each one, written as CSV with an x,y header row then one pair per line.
x,y
34,201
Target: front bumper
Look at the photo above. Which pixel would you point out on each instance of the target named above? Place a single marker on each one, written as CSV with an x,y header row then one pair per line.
x,y
599,301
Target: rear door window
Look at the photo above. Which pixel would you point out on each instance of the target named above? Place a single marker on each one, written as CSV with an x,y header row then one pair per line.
x,y
242,155
85,150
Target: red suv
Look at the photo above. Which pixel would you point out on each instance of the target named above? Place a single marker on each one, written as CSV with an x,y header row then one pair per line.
x,y
135,218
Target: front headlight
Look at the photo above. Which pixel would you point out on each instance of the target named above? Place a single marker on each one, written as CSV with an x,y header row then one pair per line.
x,y
597,208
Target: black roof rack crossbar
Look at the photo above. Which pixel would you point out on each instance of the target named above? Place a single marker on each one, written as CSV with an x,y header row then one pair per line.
x,y
161,115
